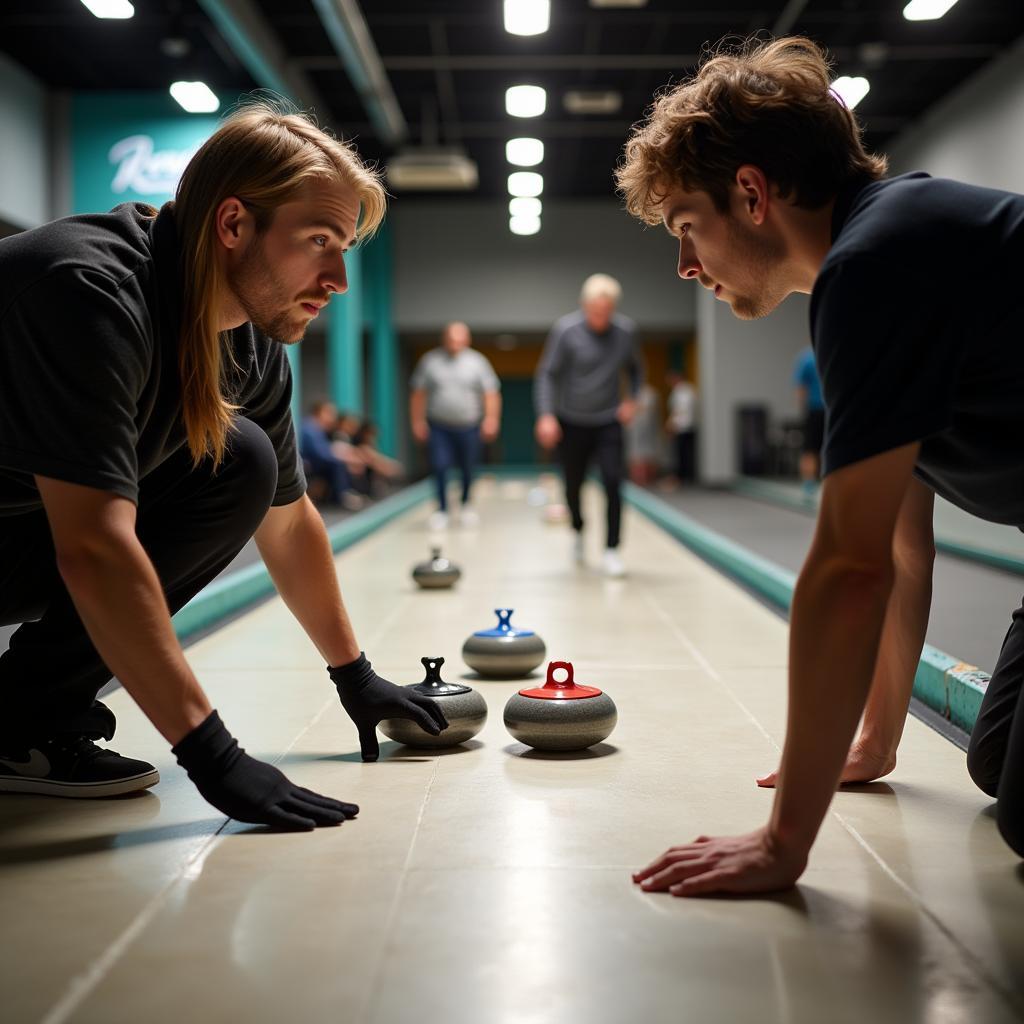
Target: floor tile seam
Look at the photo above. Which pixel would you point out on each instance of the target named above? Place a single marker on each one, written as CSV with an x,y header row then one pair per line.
x,y
390,926
684,638
973,962
84,983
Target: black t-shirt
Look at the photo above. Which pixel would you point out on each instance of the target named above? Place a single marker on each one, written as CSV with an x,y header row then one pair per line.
x,y
917,320
90,392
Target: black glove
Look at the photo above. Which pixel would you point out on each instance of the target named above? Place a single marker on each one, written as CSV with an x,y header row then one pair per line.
x,y
368,699
250,790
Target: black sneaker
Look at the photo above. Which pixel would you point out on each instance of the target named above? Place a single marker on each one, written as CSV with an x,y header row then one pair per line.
x,y
72,766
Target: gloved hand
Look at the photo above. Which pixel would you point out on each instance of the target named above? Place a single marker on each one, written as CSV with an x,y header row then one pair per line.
x,y
250,790
368,699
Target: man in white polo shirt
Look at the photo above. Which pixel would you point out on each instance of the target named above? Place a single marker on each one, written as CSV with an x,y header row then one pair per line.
x,y
455,404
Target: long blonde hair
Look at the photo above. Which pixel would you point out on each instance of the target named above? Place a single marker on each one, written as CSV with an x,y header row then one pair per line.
x,y
765,103
264,155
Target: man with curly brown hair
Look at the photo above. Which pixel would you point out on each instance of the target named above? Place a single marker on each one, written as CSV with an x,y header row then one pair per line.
x,y
757,168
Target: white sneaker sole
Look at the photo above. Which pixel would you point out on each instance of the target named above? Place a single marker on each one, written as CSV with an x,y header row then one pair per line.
x,y
80,790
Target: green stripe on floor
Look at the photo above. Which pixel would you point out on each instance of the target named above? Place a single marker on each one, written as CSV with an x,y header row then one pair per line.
x,y
229,594
951,687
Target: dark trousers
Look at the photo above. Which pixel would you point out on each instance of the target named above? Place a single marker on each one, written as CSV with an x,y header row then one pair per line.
x,y
995,756
335,475
686,458
191,522
604,443
453,446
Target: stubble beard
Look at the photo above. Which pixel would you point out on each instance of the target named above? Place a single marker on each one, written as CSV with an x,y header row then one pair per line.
x,y
265,300
762,258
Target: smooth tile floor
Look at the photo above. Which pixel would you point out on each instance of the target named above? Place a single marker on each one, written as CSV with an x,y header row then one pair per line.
x,y
489,884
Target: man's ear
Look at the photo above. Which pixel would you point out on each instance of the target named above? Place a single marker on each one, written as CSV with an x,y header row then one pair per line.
x,y
754,191
234,223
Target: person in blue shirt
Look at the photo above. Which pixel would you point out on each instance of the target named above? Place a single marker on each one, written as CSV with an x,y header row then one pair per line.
x,y
322,462
805,377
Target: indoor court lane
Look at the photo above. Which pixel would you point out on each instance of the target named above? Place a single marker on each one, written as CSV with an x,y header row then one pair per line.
x,y
492,884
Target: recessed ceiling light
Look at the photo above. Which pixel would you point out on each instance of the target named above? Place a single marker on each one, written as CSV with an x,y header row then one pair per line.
x,y
524,152
110,8
527,17
524,225
851,90
926,10
525,183
525,100
524,206
195,97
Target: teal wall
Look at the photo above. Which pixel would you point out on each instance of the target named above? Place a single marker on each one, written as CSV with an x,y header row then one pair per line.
x,y
130,147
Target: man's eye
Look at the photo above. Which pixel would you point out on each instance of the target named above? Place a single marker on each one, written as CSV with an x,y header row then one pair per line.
x,y
321,240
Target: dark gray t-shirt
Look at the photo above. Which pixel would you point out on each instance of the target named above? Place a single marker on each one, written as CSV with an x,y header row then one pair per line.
x,y
89,387
579,377
916,320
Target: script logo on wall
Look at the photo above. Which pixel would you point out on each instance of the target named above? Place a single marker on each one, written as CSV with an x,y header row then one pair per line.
x,y
130,147
144,169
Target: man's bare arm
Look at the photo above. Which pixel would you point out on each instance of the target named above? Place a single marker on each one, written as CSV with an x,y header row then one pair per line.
x,y
839,608
297,552
873,753
119,598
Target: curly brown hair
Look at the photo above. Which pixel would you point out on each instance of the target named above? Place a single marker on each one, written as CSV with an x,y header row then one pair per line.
x,y
768,104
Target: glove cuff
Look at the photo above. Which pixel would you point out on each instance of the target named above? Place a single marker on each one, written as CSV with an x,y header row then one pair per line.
x,y
354,676
208,749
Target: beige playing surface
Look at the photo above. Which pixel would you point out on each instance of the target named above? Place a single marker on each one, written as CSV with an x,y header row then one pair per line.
x,y
491,885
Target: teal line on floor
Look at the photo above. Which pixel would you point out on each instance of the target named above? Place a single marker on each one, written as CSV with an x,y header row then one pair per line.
x,y
786,497
229,594
951,687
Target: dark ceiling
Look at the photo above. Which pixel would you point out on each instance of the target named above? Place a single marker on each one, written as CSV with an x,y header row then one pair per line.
x,y
450,61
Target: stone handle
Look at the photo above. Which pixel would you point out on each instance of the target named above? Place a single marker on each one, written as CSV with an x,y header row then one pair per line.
x,y
504,614
552,681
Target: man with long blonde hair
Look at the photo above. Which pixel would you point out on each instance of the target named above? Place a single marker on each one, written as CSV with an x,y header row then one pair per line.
x,y
756,166
146,435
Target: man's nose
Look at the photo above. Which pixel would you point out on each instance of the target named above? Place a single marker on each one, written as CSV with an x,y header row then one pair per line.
x,y
689,265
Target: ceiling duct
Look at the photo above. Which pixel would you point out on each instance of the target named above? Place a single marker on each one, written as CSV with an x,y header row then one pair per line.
x,y
440,168
592,101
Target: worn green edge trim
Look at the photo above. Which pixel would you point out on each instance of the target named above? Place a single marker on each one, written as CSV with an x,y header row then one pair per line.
x,y
226,595
952,688
765,490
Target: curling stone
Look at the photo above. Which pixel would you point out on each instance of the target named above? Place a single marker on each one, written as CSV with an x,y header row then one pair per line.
x,y
503,651
465,709
560,715
436,574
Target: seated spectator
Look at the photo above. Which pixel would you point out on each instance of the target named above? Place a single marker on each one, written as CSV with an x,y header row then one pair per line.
x,y
344,446
325,470
377,465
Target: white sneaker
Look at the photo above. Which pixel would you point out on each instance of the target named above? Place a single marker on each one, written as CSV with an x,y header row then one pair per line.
x,y
611,564
577,548
438,521
468,518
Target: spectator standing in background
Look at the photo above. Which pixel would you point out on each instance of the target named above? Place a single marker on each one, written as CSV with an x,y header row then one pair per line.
x,y
455,404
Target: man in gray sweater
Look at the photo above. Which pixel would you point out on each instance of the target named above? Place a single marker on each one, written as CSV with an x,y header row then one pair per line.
x,y
578,398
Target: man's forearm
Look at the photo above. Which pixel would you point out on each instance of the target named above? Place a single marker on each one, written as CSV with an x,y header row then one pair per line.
x,y
301,564
836,623
906,622
119,598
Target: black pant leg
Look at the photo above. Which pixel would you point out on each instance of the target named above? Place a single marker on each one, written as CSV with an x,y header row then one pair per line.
x,y
995,756
575,450
611,462
192,523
